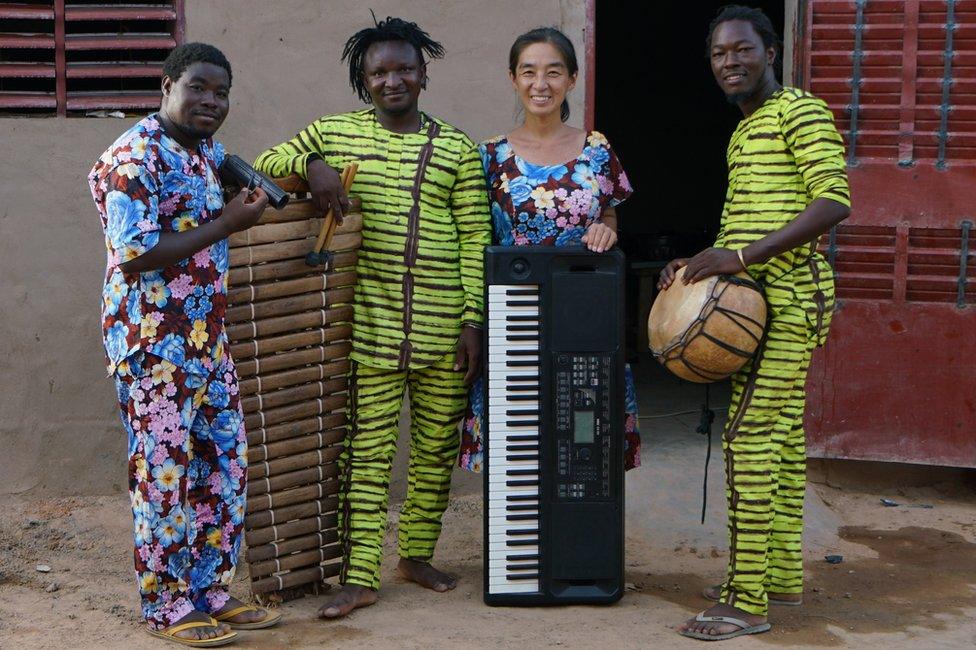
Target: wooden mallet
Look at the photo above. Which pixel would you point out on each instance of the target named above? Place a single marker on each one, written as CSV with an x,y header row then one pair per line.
x,y
320,255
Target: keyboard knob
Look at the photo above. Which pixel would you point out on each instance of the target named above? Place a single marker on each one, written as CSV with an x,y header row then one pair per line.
x,y
520,267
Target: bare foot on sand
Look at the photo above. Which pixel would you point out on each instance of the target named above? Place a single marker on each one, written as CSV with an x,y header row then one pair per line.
x,y
348,598
425,575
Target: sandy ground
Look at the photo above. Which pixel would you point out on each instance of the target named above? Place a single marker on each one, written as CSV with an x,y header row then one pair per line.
x,y
908,579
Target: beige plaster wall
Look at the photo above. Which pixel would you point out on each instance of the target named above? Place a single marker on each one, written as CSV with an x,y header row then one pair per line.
x,y
59,429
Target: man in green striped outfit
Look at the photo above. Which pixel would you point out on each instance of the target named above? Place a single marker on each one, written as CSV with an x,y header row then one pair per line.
x,y
787,186
418,305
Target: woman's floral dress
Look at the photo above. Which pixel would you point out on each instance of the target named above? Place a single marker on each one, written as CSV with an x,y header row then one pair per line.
x,y
539,205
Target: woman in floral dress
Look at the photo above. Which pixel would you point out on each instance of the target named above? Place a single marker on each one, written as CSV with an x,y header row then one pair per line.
x,y
550,184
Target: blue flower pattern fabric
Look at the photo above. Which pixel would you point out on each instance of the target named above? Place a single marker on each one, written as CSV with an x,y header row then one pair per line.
x,y
177,387
143,185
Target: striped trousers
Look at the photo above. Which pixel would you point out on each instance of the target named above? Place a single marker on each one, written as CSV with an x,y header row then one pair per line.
x,y
765,459
438,398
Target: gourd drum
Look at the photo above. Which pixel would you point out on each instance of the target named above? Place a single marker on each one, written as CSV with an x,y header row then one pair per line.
x,y
706,331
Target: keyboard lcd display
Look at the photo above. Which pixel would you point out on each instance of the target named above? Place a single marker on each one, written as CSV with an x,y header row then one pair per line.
x,y
583,427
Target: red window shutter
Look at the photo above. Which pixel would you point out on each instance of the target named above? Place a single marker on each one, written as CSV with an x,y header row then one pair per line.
x,y
900,76
855,66
27,58
946,78
106,55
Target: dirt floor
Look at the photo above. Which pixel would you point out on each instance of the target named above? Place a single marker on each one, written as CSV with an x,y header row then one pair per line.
x,y
907,580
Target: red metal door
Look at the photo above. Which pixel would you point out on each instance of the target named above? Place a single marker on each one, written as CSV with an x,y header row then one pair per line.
x,y
897,379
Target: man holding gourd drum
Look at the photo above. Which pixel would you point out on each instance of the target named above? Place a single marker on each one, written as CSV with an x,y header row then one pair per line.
x,y
787,186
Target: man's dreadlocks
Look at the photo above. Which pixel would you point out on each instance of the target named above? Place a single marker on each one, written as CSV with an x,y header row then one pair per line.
x,y
391,29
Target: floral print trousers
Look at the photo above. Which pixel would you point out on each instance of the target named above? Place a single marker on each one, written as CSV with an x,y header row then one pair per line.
x,y
187,484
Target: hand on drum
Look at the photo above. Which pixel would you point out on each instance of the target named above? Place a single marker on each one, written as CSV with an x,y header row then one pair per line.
x,y
599,237
709,262
669,271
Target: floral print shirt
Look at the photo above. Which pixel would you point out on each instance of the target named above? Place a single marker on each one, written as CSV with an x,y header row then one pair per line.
x,y
540,205
551,205
146,184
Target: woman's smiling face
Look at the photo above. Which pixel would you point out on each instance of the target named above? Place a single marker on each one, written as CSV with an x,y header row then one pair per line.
x,y
542,79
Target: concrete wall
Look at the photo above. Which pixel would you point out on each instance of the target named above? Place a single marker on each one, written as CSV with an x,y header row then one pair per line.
x,y
59,429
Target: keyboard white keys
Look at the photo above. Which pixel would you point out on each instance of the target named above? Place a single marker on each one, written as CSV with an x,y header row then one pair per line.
x,y
514,403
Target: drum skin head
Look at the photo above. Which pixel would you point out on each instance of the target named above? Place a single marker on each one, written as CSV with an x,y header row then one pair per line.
x,y
685,319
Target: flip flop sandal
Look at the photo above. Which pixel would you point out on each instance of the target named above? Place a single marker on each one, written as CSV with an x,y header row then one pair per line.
x,y
744,628
772,601
169,634
270,618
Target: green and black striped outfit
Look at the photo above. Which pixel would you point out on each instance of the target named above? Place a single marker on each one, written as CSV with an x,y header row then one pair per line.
x,y
420,278
782,157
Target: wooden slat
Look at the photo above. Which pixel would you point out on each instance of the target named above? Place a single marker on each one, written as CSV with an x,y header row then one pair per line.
x,y
293,545
291,305
303,394
257,453
27,71
294,429
301,410
27,41
23,11
297,561
267,484
295,376
344,261
28,100
116,12
117,42
131,99
314,508
106,69
259,536
295,578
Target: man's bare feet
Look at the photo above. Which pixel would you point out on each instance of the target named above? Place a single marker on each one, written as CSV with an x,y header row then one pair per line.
x,y
348,598
251,616
714,628
425,575
715,592
195,616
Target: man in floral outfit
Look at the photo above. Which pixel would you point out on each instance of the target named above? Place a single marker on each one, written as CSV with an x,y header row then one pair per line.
x,y
161,205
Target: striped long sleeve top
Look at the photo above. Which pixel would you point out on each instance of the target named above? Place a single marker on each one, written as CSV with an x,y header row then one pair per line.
x,y
425,227
782,157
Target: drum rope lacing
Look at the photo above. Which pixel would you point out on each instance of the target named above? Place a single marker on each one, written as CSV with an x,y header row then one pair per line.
x,y
696,328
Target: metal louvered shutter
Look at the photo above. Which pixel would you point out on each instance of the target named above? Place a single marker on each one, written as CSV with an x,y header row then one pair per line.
x,y
894,381
899,74
27,58
72,57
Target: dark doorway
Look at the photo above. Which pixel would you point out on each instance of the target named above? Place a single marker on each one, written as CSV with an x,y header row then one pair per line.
x,y
658,104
